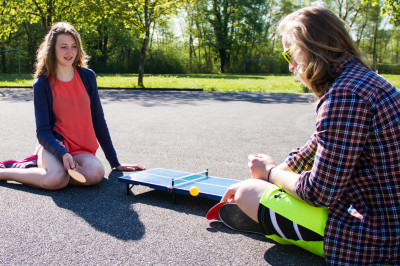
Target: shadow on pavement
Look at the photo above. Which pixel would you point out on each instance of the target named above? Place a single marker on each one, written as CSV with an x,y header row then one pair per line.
x,y
102,206
274,255
16,95
278,255
157,98
185,204
218,226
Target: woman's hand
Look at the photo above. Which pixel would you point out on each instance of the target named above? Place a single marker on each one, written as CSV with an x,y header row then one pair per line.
x,y
127,167
230,193
260,165
68,161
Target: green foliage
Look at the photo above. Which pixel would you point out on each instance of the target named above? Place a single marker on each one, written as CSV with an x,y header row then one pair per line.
x,y
237,27
389,7
144,15
210,36
392,8
165,63
389,69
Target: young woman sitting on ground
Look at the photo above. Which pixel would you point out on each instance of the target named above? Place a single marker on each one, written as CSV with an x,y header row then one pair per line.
x,y
69,117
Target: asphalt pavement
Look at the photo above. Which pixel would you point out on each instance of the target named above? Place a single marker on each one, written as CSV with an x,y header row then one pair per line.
x,y
187,131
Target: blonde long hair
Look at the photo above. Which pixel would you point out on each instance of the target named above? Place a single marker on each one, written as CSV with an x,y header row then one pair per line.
x,y
46,56
319,43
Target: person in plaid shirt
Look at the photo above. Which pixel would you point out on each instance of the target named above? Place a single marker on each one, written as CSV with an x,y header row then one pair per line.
x,y
351,164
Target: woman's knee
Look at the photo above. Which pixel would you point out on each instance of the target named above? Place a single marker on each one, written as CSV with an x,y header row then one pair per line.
x,y
94,175
250,188
90,167
56,180
248,196
251,191
55,177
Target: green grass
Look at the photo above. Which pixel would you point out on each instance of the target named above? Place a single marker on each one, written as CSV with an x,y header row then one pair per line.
x,y
208,82
15,80
394,79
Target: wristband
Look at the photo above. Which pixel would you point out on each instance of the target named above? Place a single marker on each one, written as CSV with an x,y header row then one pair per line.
x,y
269,173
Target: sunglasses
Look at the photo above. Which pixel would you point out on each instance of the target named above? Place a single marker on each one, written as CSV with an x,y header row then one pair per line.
x,y
287,56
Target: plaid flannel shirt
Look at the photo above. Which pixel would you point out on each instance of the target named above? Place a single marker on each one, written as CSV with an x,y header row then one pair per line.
x,y
352,162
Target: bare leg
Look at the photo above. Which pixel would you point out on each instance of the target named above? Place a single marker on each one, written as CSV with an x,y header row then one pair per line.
x,y
91,167
249,194
49,174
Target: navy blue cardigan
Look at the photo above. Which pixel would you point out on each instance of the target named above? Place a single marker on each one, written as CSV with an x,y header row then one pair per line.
x,y
45,118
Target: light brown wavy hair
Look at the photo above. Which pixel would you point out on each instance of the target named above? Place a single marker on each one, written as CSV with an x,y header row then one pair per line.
x,y
319,42
46,55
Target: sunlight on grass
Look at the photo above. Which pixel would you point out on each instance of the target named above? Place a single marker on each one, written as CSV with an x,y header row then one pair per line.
x,y
207,82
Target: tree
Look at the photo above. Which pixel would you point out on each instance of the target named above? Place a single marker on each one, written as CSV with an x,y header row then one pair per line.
x,y
8,25
98,22
221,14
35,17
143,15
389,7
199,33
218,34
392,8
237,25
376,27
251,23
8,31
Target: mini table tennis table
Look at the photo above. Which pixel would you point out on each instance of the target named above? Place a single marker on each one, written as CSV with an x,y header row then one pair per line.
x,y
178,182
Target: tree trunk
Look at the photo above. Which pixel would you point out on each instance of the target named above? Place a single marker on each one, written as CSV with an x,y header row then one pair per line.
x,y
3,60
190,52
374,53
32,44
223,59
146,40
143,59
104,53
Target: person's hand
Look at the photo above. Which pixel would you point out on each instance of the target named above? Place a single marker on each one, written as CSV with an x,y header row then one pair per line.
x,y
127,167
229,195
260,165
68,161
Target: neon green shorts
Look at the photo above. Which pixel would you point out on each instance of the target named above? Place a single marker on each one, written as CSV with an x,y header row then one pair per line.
x,y
290,221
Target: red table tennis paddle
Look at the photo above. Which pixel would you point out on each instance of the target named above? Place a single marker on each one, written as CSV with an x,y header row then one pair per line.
x,y
213,213
76,175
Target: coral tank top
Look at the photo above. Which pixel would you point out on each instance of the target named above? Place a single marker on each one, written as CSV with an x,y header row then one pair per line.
x,y
71,107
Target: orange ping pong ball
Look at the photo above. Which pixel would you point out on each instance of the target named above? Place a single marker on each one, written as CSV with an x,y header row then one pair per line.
x,y
194,191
